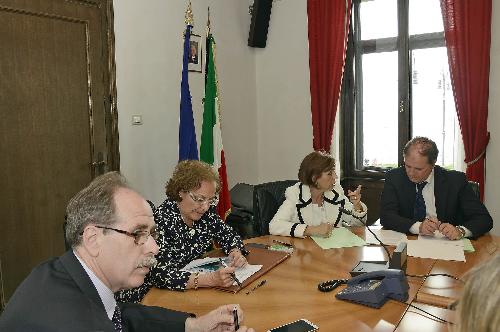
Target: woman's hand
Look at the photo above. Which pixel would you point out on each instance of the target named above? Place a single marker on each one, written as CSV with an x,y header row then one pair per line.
x,y
355,198
323,230
222,277
237,258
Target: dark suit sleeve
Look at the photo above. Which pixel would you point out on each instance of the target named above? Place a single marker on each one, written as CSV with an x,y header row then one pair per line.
x,y
475,215
394,206
137,317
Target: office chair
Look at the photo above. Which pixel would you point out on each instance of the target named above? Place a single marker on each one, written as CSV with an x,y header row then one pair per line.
x,y
267,198
475,188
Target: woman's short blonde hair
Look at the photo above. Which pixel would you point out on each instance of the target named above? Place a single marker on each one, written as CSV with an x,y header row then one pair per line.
x,y
188,175
479,307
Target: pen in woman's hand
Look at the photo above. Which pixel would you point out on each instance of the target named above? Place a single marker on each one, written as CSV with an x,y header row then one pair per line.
x,y
232,274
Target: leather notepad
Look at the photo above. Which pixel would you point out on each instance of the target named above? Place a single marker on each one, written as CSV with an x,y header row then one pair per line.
x,y
258,256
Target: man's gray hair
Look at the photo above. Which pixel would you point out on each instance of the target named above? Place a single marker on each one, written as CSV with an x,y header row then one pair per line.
x,y
94,204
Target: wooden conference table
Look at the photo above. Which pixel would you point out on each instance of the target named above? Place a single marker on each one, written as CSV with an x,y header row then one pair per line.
x,y
291,292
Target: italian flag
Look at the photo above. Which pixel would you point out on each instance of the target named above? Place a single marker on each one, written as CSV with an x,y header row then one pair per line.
x,y
211,149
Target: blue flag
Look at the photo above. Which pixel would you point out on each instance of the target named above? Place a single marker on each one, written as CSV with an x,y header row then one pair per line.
x,y
188,148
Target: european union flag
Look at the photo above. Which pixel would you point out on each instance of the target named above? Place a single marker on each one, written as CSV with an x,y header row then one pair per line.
x,y
188,148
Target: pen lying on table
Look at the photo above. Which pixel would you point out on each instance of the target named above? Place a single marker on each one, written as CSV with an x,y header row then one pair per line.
x,y
283,243
232,274
262,283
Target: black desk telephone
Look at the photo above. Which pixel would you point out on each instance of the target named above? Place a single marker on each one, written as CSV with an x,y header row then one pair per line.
x,y
373,289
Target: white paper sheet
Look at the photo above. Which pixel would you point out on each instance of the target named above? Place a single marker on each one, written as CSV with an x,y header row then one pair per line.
x,y
388,237
436,248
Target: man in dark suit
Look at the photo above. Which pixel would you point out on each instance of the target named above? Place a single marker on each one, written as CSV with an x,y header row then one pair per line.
x,y
422,198
112,233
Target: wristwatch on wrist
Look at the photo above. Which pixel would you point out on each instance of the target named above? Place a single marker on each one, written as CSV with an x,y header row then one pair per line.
x,y
461,229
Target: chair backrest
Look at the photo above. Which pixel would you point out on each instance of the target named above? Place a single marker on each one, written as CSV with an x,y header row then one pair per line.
x,y
475,188
267,198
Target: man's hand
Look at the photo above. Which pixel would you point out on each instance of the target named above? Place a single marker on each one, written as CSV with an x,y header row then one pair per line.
x,y
237,258
323,230
429,225
450,231
218,320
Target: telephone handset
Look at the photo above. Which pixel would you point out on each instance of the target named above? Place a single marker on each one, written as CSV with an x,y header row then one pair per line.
x,y
373,289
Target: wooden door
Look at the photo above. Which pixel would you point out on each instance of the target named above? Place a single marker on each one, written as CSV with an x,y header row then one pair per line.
x,y
58,123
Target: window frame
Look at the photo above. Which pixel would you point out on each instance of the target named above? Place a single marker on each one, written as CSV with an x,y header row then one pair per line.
x,y
352,94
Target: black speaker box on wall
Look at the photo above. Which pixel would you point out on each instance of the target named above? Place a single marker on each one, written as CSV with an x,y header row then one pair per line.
x,y
260,23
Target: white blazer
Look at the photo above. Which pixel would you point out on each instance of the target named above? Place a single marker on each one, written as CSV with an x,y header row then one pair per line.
x,y
296,212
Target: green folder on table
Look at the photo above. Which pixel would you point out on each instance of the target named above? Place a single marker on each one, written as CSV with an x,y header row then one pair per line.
x,y
341,238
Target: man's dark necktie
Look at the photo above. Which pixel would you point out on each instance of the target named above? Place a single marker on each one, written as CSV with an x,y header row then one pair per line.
x,y
419,211
117,319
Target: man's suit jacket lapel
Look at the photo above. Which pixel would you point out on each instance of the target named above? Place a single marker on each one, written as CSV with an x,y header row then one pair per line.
x,y
407,195
440,193
83,282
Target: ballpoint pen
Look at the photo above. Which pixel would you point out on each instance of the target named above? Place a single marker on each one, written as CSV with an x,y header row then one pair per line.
x,y
262,283
232,274
235,318
283,243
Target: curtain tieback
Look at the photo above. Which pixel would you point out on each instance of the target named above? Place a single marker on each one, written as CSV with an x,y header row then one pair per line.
x,y
475,160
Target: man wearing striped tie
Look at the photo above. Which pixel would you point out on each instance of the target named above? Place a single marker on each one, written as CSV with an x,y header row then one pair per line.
x,y
424,198
112,234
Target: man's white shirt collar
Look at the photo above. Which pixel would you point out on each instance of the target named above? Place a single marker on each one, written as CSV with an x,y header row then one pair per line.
x,y
106,294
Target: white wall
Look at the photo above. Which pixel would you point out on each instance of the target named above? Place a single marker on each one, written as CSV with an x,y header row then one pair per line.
x,y
148,38
266,119
283,98
492,187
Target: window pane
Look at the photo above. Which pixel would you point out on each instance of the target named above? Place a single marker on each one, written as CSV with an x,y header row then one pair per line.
x,y
378,19
380,113
425,17
433,106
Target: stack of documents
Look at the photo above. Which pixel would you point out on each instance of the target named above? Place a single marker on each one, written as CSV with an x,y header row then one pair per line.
x,y
436,248
388,237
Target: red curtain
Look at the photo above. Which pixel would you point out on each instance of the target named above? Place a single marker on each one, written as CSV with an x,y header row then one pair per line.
x,y
467,27
328,22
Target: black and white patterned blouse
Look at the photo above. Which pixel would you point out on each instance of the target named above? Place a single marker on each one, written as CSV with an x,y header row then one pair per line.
x,y
179,245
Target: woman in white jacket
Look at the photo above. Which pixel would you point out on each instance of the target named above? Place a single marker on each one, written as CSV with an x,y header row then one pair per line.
x,y
314,205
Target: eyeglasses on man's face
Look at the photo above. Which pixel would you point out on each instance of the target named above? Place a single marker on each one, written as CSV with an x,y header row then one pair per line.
x,y
140,237
202,200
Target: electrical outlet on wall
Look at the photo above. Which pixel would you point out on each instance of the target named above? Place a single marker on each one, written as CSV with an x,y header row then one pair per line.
x,y
137,119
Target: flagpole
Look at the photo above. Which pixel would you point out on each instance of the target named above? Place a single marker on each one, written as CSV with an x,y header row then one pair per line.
x,y
208,22
189,18
188,148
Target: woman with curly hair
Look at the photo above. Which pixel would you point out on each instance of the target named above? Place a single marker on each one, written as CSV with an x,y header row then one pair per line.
x,y
188,224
